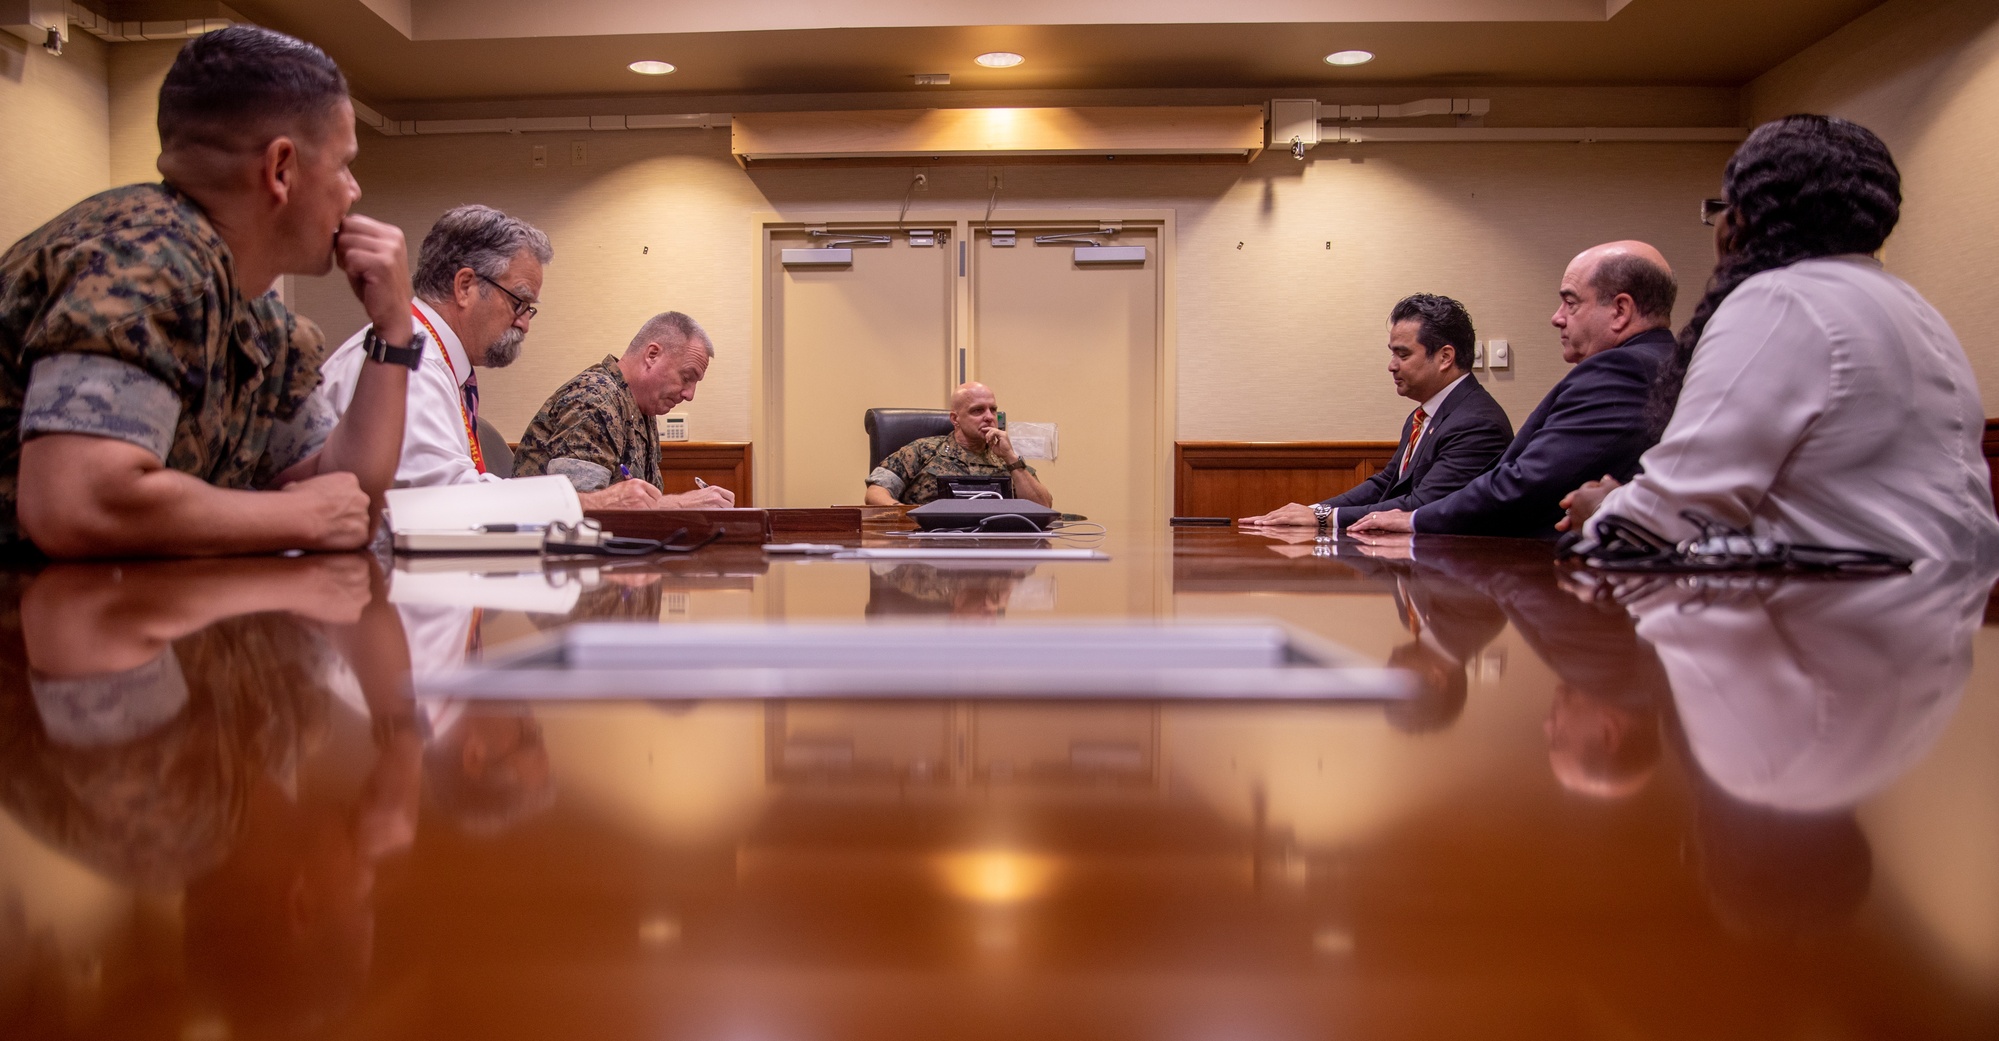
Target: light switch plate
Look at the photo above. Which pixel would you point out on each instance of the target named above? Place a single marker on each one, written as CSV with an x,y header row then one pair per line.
x,y
1497,355
1478,354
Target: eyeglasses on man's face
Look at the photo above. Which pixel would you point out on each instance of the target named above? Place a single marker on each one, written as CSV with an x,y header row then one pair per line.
x,y
1711,210
522,308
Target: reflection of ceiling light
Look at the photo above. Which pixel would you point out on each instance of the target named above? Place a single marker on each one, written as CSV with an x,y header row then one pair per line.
x,y
660,68
1349,57
999,59
997,876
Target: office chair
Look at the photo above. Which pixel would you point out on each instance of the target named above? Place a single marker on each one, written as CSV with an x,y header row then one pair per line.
x,y
499,458
891,428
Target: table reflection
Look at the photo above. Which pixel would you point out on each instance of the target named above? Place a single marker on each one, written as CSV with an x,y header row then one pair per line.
x,y
1715,808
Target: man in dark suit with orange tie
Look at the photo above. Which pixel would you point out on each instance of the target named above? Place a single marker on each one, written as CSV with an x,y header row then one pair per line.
x,y
1615,319
1456,433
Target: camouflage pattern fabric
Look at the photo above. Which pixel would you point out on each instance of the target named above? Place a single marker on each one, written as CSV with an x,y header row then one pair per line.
x,y
125,316
910,473
589,428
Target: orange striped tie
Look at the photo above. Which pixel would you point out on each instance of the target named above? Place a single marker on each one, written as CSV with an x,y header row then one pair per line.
x,y
1415,436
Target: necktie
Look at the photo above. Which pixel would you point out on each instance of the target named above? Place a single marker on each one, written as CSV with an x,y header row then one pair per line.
x,y
471,392
1415,436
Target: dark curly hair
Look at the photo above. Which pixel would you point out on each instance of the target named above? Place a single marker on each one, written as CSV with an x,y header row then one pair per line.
x,y
1440,320
1799,187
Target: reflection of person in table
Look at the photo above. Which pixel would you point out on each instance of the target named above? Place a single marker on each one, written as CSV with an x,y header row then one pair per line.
x,y
1795,702
976,447
1449,622
154,726
920,588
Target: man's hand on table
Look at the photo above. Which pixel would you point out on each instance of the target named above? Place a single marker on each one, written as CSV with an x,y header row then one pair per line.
x,y
1289,515
709,498
1583,502
1385,522
333,509
632,494
635,494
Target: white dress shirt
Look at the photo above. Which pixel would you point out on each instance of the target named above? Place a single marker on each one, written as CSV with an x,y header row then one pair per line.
x,y
435,450
1827,403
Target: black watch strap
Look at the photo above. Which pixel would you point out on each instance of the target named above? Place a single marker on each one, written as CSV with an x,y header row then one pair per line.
x,y
1017,464
380,350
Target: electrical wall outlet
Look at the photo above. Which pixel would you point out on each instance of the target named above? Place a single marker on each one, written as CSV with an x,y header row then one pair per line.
x,y
579,153
1497,355
540,154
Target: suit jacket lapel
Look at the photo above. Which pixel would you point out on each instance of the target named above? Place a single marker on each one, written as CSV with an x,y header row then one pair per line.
x,y
1426,449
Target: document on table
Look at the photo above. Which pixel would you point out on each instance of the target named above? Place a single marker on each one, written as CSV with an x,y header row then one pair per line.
x,y
455,518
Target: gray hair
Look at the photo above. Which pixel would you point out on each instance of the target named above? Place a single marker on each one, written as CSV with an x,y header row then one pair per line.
x,y
671,330
479,237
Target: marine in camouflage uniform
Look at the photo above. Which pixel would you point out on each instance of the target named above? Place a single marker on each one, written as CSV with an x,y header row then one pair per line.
x,y
589,428
122,318
911,472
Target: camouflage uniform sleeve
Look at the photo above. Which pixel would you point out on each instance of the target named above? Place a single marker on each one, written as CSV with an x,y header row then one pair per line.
x,y
896,470
137,297
100,396
99,710
578,440
291,442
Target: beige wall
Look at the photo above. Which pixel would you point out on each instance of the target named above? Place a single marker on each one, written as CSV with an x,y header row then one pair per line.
x,y
137,70
1924,74
1278,338
54,130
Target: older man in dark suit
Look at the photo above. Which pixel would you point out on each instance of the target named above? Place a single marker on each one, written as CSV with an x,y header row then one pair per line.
x,y
1456,433
1617,305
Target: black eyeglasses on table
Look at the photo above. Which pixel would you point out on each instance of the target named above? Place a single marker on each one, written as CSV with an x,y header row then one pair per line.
x,y
522,308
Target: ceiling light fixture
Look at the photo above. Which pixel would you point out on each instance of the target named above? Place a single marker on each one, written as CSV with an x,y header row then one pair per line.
x,y
660,68
999,59
1349,57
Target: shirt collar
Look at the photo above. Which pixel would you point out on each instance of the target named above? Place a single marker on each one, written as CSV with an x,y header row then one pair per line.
x,y
460,364
1437,400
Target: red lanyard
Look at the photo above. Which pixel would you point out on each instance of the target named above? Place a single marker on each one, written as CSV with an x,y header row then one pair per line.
x,y
471,430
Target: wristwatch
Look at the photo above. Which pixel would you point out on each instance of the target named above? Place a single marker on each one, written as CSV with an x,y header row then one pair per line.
x,y
380,350
1323,513
1017,464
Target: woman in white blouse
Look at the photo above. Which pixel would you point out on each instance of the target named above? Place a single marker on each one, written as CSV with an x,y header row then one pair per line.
x,y
1814,397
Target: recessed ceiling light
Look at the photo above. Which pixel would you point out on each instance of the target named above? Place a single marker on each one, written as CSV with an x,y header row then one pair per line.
x,y
1349,57
999,59
660,68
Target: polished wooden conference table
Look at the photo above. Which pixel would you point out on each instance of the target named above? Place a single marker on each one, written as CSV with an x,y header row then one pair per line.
x,y
1664,808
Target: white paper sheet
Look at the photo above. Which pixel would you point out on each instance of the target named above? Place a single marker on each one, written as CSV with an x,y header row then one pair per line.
x,y
1032,440
463,507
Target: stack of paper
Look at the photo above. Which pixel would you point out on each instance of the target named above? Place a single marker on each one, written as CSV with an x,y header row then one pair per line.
x,y
489,517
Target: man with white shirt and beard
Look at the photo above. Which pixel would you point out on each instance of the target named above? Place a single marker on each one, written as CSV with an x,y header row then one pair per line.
x,y
477,279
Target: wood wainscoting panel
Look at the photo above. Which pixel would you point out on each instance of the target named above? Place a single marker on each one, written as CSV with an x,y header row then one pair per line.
x,y
723,463
1245,478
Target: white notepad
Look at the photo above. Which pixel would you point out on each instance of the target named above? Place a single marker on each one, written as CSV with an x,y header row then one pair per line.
x,y
450,518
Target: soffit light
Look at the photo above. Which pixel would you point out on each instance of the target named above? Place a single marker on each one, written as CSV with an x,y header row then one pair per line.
x,y
1349,57
999,59
660,68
